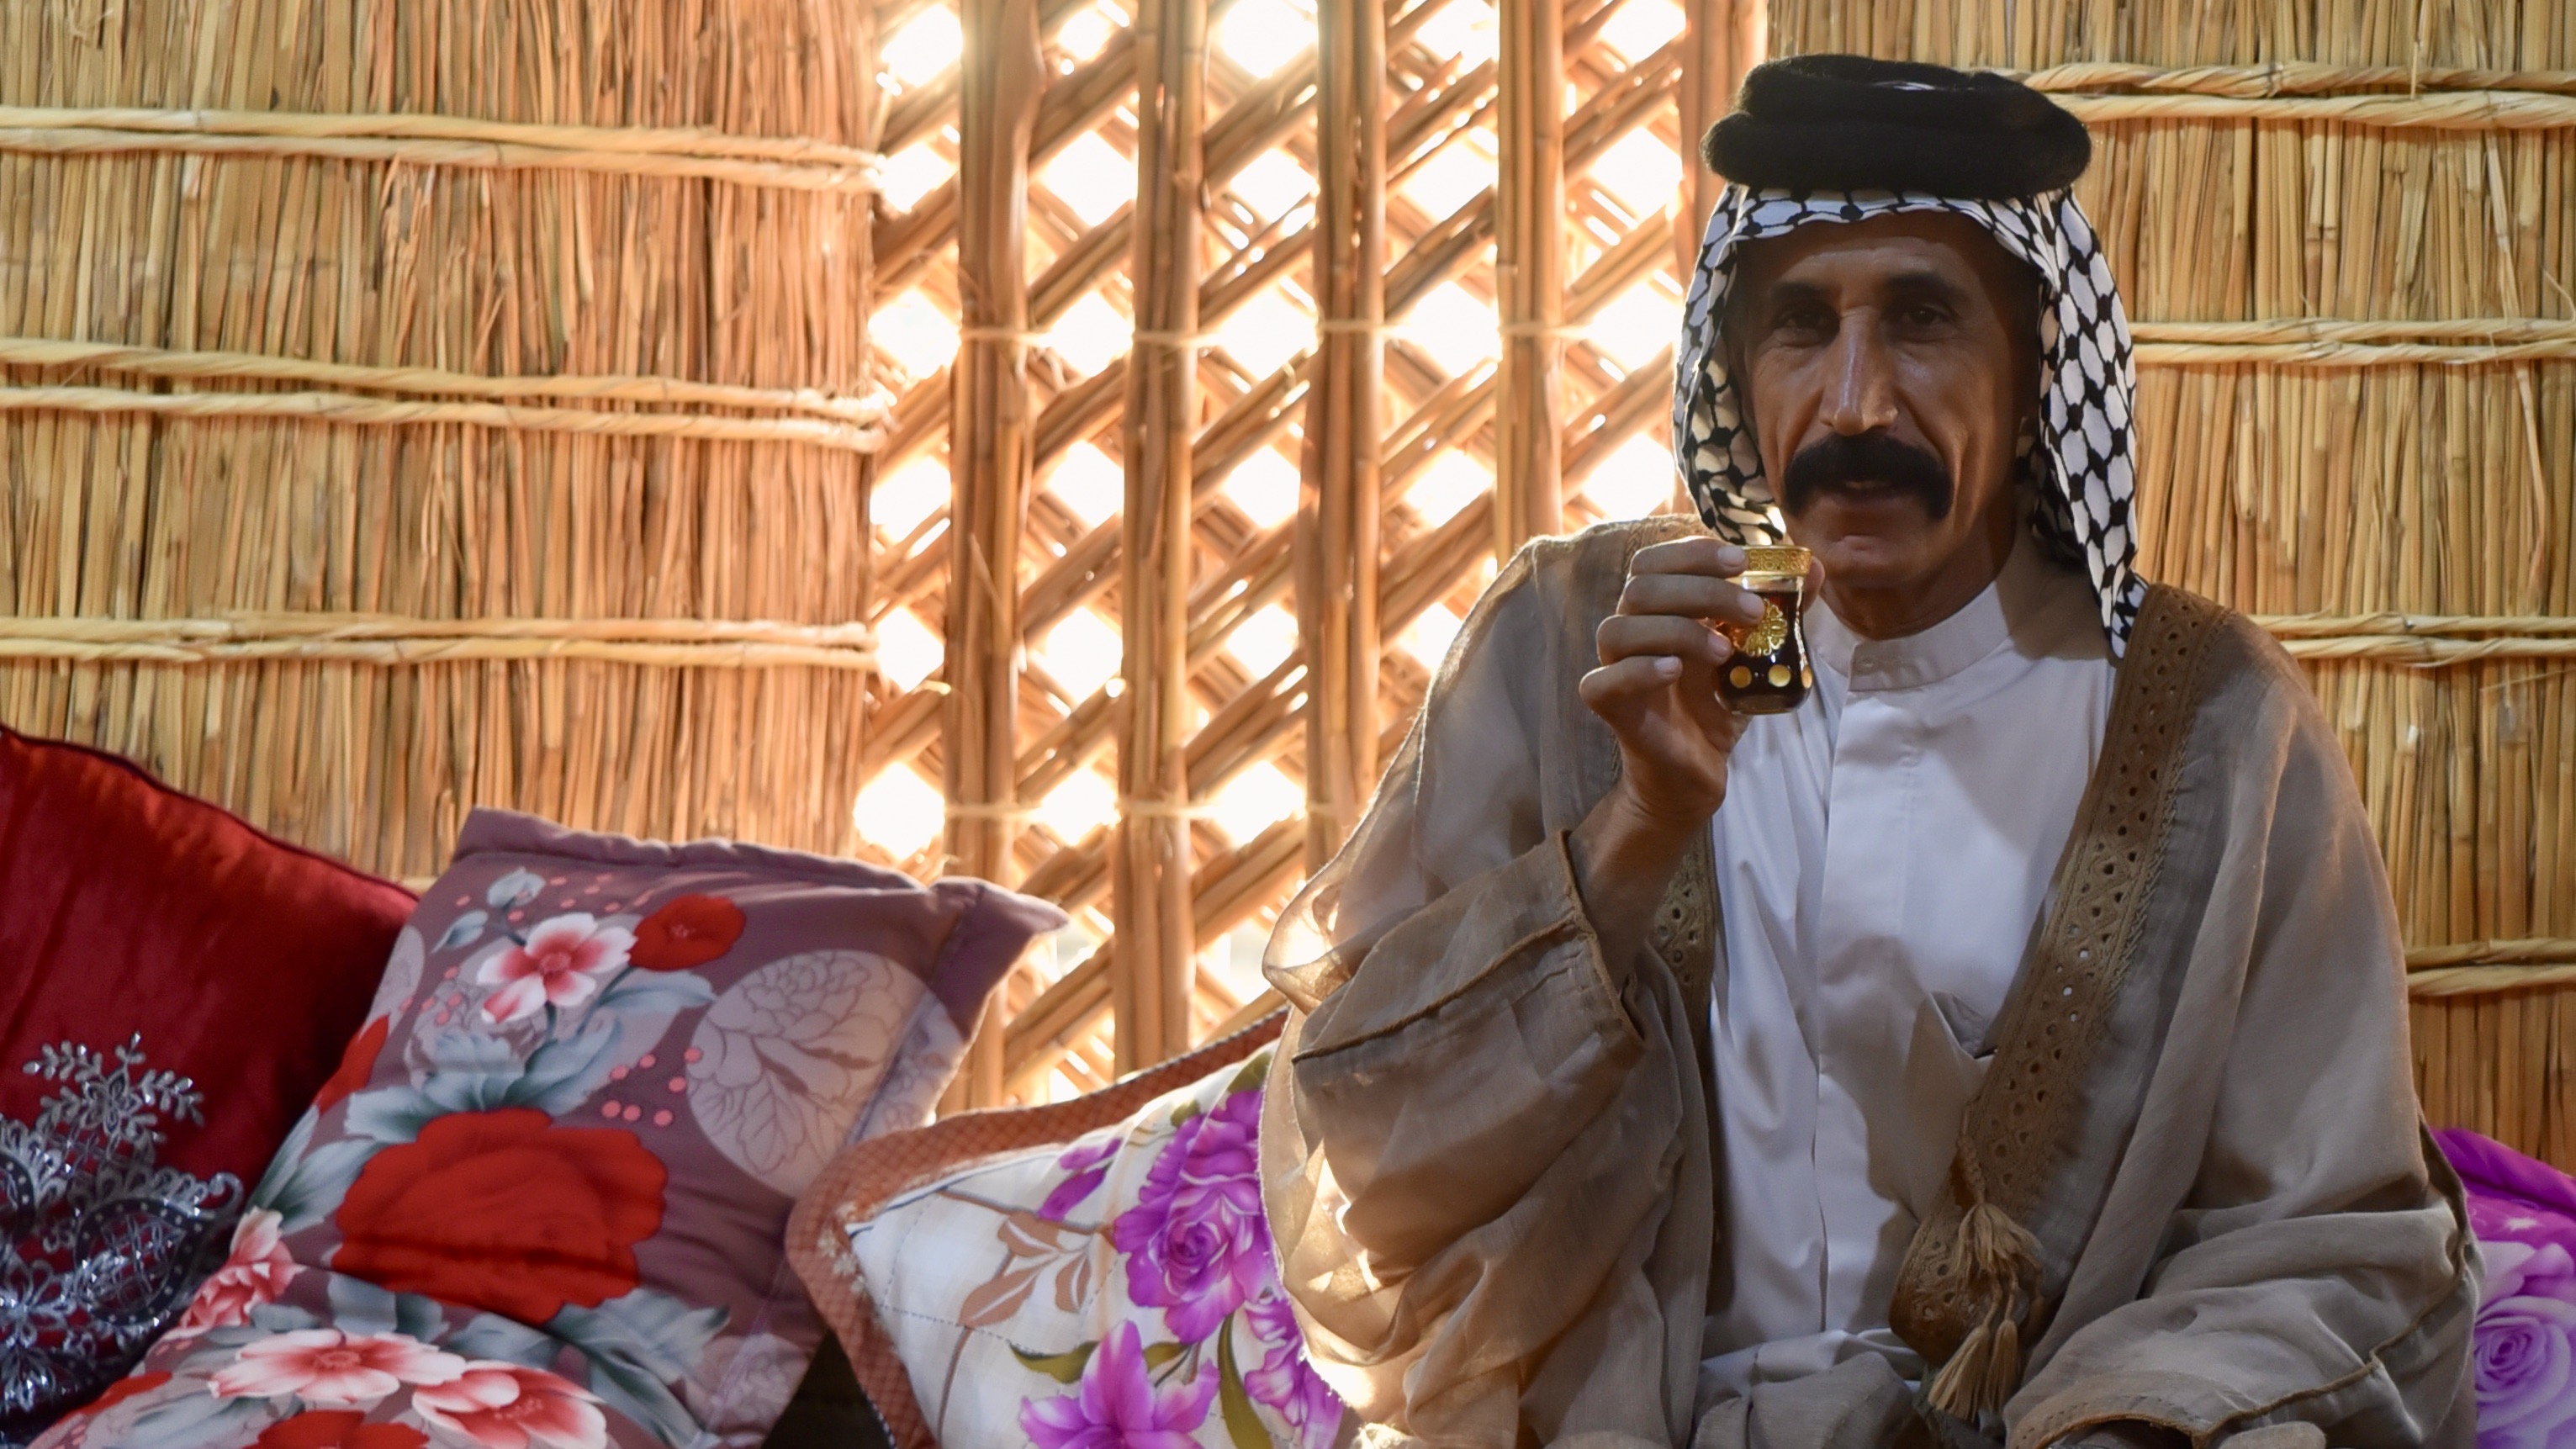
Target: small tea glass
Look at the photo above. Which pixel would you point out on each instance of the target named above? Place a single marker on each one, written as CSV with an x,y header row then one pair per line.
x,y
1768,673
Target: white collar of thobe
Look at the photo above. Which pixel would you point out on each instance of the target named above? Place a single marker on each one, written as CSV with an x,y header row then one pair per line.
x,y
1974,632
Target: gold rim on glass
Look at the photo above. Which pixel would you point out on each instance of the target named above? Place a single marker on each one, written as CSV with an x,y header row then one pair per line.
x,y
1775,559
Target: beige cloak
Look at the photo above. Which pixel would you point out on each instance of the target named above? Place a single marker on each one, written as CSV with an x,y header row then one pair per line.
x,y
1489,1168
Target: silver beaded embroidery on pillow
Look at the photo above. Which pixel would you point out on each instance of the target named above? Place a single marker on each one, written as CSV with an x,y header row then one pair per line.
x,y
105,1243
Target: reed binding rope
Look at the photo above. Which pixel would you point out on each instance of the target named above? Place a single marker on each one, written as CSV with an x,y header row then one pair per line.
x,y
2530,951
2314,626
159,362
2440,111
788,163
1010,810
2488,331
392,639
2302,341
2480,967
2290,78
2447,98
2424,640
2338,342
330,407
382,639
2429,653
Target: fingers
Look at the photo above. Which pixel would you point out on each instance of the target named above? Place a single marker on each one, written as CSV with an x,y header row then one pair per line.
x,y
1674,636
1620,692
1700,554
1662,710
1689,577
1690,596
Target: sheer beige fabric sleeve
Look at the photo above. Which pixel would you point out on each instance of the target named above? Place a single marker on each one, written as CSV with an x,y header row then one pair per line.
x,y
1467,1177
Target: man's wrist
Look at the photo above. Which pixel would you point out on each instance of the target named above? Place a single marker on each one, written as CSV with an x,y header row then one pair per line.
x,y
1624,843
1623,858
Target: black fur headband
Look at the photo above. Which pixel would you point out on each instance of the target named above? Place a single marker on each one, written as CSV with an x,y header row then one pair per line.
x,y
1849,123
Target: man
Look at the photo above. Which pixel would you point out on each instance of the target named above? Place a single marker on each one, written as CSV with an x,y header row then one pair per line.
x,y
2005,1046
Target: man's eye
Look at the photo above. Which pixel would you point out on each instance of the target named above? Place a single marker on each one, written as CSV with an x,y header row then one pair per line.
x,y
1923,314
1806,321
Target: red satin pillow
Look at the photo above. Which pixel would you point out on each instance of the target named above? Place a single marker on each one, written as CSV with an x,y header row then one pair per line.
x,y
181,985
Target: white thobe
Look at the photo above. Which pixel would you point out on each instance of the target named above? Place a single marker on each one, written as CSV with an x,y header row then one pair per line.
x,y
1883,857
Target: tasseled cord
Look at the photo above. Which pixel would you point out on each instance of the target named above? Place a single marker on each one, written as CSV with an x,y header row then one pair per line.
x,y
1999,1260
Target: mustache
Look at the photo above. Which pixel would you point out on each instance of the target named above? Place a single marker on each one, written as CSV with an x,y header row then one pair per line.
x,y
1840,460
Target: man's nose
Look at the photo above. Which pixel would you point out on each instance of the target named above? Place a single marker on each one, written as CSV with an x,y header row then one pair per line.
x,y
1860,379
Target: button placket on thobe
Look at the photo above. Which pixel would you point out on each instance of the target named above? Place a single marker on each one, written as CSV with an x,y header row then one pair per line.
x,y
1882,856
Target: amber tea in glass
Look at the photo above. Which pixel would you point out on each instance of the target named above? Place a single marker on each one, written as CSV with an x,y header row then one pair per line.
x,y
1768,673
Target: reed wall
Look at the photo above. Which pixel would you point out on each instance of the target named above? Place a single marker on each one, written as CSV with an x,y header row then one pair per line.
x,y
2386,193
406,406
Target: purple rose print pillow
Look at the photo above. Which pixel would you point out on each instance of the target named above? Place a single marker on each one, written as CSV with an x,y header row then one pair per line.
x,y
2524,1215
1117,1289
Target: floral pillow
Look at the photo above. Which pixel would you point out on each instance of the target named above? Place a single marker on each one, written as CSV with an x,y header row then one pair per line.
x,y
2524,1215
1119,1288
544,1196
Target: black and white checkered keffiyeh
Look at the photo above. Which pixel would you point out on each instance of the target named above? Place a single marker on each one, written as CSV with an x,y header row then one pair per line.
x,y
2082,463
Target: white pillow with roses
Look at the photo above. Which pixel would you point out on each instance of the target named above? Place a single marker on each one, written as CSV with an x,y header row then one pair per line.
x,y
1119,1289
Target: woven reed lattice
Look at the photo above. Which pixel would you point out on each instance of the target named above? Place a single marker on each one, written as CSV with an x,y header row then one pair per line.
x,y
1248,681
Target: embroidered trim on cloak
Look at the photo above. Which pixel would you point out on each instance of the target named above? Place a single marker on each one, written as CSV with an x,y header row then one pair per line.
x,y
1968,1293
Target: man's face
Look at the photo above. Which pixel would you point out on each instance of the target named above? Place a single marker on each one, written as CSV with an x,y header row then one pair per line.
x,y
1889,367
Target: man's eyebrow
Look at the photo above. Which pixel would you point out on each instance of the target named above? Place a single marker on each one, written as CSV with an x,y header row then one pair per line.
x,y
1919,282
1780,292
1923,282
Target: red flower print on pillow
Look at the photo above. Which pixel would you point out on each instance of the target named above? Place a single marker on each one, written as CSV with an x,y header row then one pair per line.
x,y
357,1064
338,1429
690,931
504,1210
505,1406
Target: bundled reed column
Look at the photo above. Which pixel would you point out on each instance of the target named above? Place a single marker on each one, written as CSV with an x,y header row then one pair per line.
x,y
989,464
1721,40
1529,283
1151,976
1338,510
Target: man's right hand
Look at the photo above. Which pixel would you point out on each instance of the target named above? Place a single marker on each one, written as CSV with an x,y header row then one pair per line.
x,y
1657,690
